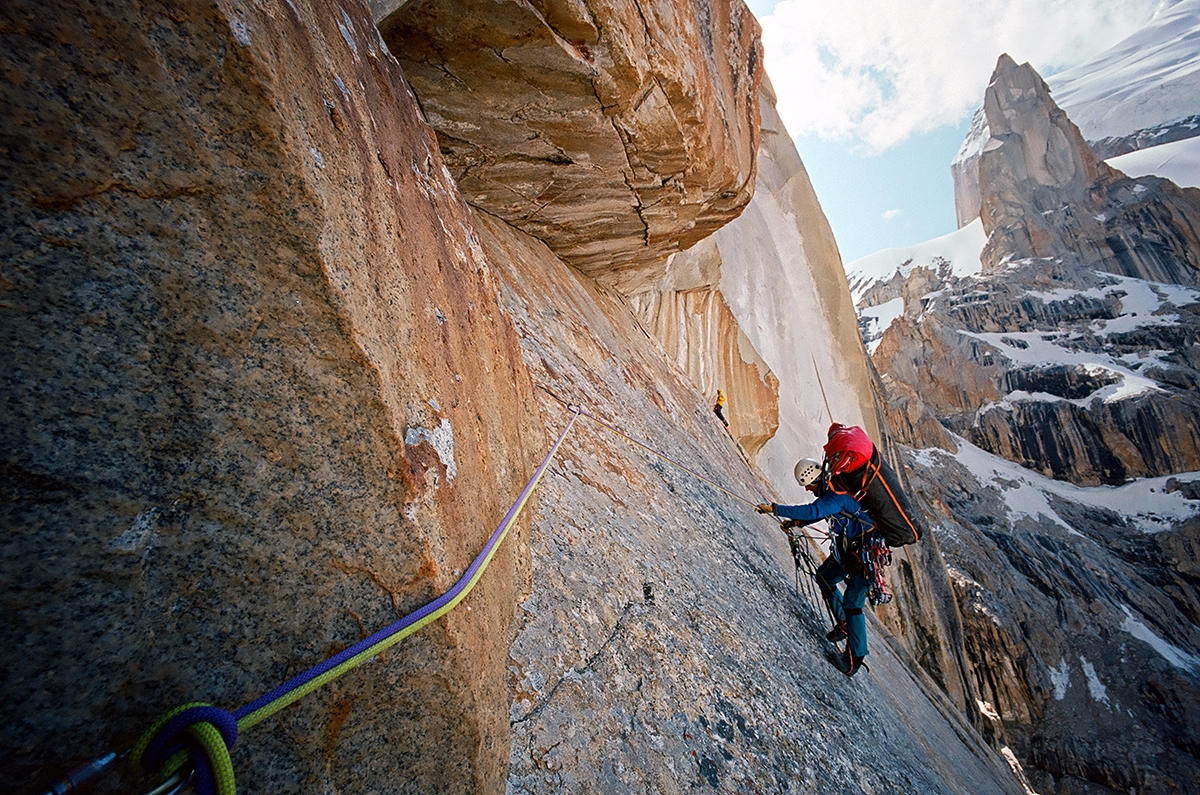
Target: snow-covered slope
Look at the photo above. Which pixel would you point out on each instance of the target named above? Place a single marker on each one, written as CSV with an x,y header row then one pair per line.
x,y
960,249
1148,80
1178,161
876,280
1152,505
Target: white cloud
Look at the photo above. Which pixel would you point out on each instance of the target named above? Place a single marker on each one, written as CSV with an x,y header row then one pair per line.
x,y
888,215
873,72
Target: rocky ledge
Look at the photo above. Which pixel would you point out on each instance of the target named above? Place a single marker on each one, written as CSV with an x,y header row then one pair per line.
x,y
616,133
1078,374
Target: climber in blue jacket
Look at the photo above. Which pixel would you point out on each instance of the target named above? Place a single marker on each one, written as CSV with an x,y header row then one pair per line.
x,y
850,526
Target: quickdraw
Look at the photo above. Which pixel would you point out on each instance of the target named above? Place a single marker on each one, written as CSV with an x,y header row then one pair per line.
x,y
876,556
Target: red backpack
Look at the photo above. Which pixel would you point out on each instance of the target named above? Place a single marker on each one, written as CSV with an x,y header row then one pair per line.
x,y
848,448
857,469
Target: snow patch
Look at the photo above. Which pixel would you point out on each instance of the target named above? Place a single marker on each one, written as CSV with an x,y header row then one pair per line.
x,y
1144,502
1140,303
1096,689
1169,651
879,318
1039,348
1025,500
1061,679
1019,771
977,137
1140,300
1148,80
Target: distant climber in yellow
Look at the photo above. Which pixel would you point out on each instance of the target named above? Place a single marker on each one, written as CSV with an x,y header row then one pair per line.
x,y
717,409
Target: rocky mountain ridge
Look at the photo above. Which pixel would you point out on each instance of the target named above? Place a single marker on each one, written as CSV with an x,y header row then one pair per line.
x,y
1045,193
1079,612
1043,355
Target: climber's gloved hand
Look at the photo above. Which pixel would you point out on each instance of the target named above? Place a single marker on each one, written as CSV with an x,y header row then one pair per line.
x,y
766,507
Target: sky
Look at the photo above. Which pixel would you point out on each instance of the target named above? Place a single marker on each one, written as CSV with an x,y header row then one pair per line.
x,y
878,94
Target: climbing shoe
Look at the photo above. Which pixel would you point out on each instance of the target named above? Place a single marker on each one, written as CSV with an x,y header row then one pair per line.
x,y
837,634
849,664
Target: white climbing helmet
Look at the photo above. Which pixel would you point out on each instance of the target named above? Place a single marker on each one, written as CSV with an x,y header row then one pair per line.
x,y
807,471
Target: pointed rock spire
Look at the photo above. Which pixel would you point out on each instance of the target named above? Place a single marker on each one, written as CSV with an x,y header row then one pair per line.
x,y
1044,193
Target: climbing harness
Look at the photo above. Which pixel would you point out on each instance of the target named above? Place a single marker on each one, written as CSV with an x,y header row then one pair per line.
x,y
191,743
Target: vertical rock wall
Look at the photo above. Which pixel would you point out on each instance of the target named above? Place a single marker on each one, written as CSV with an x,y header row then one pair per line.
x,y
964,170
259,398
779,269
700,334
264,399
1140,93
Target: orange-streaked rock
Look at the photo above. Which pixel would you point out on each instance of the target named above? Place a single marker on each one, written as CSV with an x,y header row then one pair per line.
x,y
615,132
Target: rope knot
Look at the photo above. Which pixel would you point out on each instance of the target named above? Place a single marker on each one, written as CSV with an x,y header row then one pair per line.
x,y
198,732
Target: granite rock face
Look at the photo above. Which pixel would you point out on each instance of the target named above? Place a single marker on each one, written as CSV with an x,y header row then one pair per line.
x,y
259,397
1045,194
694,324
1142,92
664,645
777,269
1041,359
615,132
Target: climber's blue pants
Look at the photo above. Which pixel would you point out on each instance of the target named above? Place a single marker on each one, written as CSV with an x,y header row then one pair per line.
x,y
848,606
